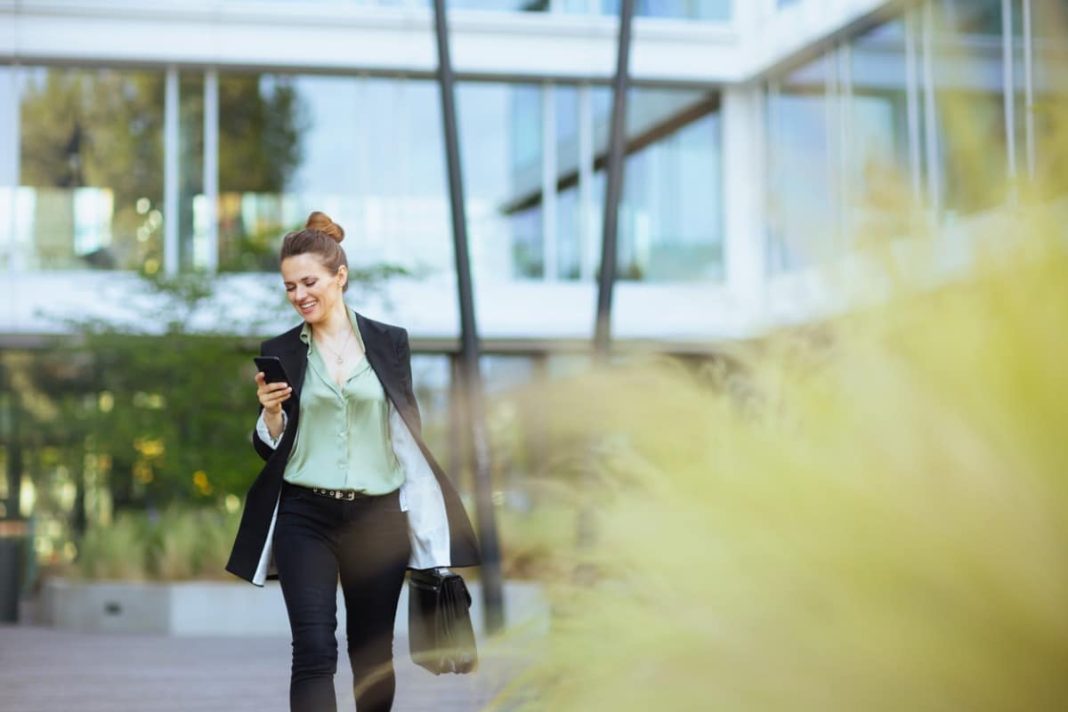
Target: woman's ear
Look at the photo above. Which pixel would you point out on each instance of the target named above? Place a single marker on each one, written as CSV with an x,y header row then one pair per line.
x,y
343,276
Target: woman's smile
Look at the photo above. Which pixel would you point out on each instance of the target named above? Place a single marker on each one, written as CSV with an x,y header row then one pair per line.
x,y
312,290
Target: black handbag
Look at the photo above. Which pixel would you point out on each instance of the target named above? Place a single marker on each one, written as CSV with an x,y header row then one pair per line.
x,y
440,637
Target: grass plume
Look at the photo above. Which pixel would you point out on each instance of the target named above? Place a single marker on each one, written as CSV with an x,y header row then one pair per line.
x,y
866,514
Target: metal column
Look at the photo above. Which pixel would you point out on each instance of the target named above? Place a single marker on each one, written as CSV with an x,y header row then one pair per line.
x,y
613,186
492,594
171,148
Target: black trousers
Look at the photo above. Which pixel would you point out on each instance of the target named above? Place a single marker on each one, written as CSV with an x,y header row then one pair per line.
x,y
364,543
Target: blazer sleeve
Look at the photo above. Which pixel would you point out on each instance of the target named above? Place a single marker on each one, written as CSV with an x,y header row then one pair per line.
x,y
404,356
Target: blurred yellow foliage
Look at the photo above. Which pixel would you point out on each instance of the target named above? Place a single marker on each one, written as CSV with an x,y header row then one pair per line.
x,y
868,514
149,447
880,522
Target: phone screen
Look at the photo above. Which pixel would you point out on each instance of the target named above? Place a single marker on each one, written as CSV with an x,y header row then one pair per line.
x,y
273,372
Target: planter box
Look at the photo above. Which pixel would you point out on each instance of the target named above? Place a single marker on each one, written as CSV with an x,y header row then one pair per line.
x,y
233,609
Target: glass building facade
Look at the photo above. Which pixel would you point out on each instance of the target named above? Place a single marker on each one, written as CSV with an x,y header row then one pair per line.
x,y
744,167
368,150
952,99
678,9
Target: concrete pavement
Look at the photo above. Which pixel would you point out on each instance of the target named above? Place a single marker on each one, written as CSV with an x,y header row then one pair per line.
x,y
45,669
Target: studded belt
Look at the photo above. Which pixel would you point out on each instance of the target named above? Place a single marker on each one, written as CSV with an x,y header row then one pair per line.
x,y
347,495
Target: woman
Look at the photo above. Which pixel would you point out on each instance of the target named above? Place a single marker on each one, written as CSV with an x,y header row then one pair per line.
x,y
349,489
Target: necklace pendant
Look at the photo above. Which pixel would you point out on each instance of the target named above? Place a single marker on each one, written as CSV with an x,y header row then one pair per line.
x,y
338,360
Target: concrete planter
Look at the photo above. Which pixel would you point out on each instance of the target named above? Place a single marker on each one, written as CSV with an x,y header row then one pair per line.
x,y
187,608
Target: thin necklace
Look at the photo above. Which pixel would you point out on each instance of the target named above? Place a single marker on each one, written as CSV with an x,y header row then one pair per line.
x,y
346,343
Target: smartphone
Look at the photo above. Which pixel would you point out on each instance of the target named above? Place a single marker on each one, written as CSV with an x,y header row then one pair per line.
x,y
273,372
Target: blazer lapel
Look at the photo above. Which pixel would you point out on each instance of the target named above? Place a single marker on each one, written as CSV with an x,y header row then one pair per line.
x,y
380,354
385,363
294,358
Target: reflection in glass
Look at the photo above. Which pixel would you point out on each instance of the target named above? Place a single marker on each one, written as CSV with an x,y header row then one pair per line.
x,y
716,10
367,151
800,210
91,169
968,77
261,124
513,429
501,152
191,237
569,240
432,380
670,219
497,5
8,164
1050,111
681,9
877,172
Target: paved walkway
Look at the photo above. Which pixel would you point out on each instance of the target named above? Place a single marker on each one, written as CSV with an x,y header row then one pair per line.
x,y
50,670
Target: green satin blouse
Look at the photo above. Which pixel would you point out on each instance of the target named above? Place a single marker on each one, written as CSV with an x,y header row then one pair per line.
x,y
343,439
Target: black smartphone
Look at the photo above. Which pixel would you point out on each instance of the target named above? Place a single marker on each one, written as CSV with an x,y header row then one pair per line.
x,y
273,372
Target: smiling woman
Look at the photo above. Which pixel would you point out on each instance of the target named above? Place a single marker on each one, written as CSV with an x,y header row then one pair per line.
x,y
309,275
349,489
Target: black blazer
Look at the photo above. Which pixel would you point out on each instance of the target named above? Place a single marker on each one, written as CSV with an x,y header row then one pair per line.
x,y
389,355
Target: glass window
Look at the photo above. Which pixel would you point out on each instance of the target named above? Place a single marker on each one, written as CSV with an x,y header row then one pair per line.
x,y
878,177
367,151
513,429
671,213
569,239
800,210
682,9
9,141
505,5
968,77
91,169
432,381
1050,111
500,131
192,238
679,9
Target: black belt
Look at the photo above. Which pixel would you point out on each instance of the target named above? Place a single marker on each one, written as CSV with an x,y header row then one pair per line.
x,y
347,495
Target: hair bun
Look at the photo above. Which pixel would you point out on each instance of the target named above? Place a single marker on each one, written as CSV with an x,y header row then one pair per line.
x,y
322,222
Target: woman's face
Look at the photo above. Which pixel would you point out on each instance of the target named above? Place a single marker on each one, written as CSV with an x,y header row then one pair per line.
x,y
311,288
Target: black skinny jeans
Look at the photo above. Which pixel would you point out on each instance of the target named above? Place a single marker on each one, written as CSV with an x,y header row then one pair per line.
x,y
365,543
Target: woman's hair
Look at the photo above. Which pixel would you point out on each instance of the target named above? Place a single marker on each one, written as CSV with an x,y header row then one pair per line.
x,y
321,237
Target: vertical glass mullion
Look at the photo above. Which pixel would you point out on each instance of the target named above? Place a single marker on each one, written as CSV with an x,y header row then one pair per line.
x,y
550,260
363,183
208,256
912,103
934,167
404,105
1029,88
9,171
1008,93
832,138
841,185
587,240
773,257
170,171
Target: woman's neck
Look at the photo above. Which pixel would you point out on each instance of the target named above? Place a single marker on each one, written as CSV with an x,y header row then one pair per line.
x,y
335,323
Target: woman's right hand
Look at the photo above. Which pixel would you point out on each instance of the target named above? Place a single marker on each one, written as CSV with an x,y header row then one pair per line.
x,y
271,395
